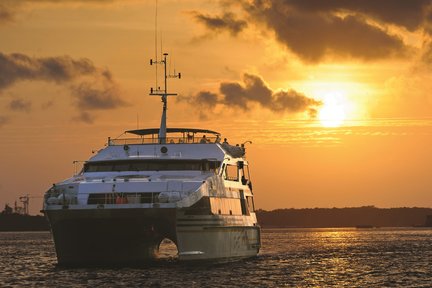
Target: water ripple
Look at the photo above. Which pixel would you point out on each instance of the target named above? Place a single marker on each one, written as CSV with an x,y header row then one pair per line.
x,y
289,258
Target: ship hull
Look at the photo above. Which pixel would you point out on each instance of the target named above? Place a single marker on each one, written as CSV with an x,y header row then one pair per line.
x,y
133,236
224,242
114,236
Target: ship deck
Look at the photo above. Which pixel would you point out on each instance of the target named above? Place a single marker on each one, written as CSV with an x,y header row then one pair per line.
x,y
174,135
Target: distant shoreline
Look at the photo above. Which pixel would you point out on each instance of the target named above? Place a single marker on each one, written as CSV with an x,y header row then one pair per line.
x,y
358,217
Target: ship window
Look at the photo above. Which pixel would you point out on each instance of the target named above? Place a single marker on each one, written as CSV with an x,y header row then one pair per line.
x,y
151,165
223,168
250,202
112,198
225,206
246,172
243,203
121,167
138,166
97,199
231,172
214,166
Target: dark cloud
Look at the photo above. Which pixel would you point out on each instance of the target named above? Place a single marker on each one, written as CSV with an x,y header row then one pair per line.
x,y
253,90
203,99
292,101
316,29
19,67
225,22
90,97
92,88
313,35
207,98
409,14
20,105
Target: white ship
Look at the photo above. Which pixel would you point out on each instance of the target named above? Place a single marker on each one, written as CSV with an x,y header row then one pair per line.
x,y
181,184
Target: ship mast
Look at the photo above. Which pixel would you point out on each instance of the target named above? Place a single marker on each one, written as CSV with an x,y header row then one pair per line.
x,y
164,96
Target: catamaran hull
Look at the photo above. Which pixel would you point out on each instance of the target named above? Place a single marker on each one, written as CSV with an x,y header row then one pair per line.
x,y
120,236
223,242
112,236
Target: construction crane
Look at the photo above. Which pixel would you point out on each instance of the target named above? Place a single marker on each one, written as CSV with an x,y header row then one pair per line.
x,y
25,200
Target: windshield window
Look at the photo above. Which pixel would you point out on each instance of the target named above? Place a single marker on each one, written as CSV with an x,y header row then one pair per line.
x,y
231,172
151,165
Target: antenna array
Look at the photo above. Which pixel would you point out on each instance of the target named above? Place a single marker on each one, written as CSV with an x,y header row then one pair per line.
x,y
157,91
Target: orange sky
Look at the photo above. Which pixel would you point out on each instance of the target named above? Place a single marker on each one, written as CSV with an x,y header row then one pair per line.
x,y
335,96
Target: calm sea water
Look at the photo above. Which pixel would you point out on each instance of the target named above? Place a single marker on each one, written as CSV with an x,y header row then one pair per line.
x,y
289,258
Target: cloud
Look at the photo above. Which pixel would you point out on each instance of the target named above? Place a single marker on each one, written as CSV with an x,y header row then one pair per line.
x,y
225,22
6,13
316,29
85,117
312,34
409,14
90,97
9,8
254,90
426,57
19,67
3,120
92,88
20,105
47,104
207,98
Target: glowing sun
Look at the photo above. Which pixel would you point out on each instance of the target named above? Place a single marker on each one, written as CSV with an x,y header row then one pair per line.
x,y
334,110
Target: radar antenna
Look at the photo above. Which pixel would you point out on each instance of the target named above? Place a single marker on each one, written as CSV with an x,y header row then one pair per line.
x,y
157,91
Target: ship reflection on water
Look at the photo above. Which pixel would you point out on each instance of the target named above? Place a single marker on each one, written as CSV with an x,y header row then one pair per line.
x,y
396,257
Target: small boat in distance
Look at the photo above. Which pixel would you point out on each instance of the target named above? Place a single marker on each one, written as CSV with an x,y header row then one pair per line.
x,y
364,226
181,184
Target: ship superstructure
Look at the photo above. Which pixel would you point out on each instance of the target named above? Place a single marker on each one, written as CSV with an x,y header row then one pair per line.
x,y
182,184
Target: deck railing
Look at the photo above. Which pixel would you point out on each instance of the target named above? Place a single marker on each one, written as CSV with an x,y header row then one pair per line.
x,y
169,140
109,198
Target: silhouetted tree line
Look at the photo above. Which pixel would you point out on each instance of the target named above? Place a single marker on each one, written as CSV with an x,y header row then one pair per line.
x,y
344,217
308,218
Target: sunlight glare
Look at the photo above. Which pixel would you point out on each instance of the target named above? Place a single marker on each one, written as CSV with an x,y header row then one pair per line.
x,y
334,110
343,102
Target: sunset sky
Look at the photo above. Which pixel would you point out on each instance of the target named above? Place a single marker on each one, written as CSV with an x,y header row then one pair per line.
x,y
335,95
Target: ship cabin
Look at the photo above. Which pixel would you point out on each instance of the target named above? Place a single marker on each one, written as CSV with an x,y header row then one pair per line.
x,y
170,168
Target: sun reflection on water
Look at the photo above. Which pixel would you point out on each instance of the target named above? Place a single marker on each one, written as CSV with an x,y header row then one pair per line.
x,y
336,257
